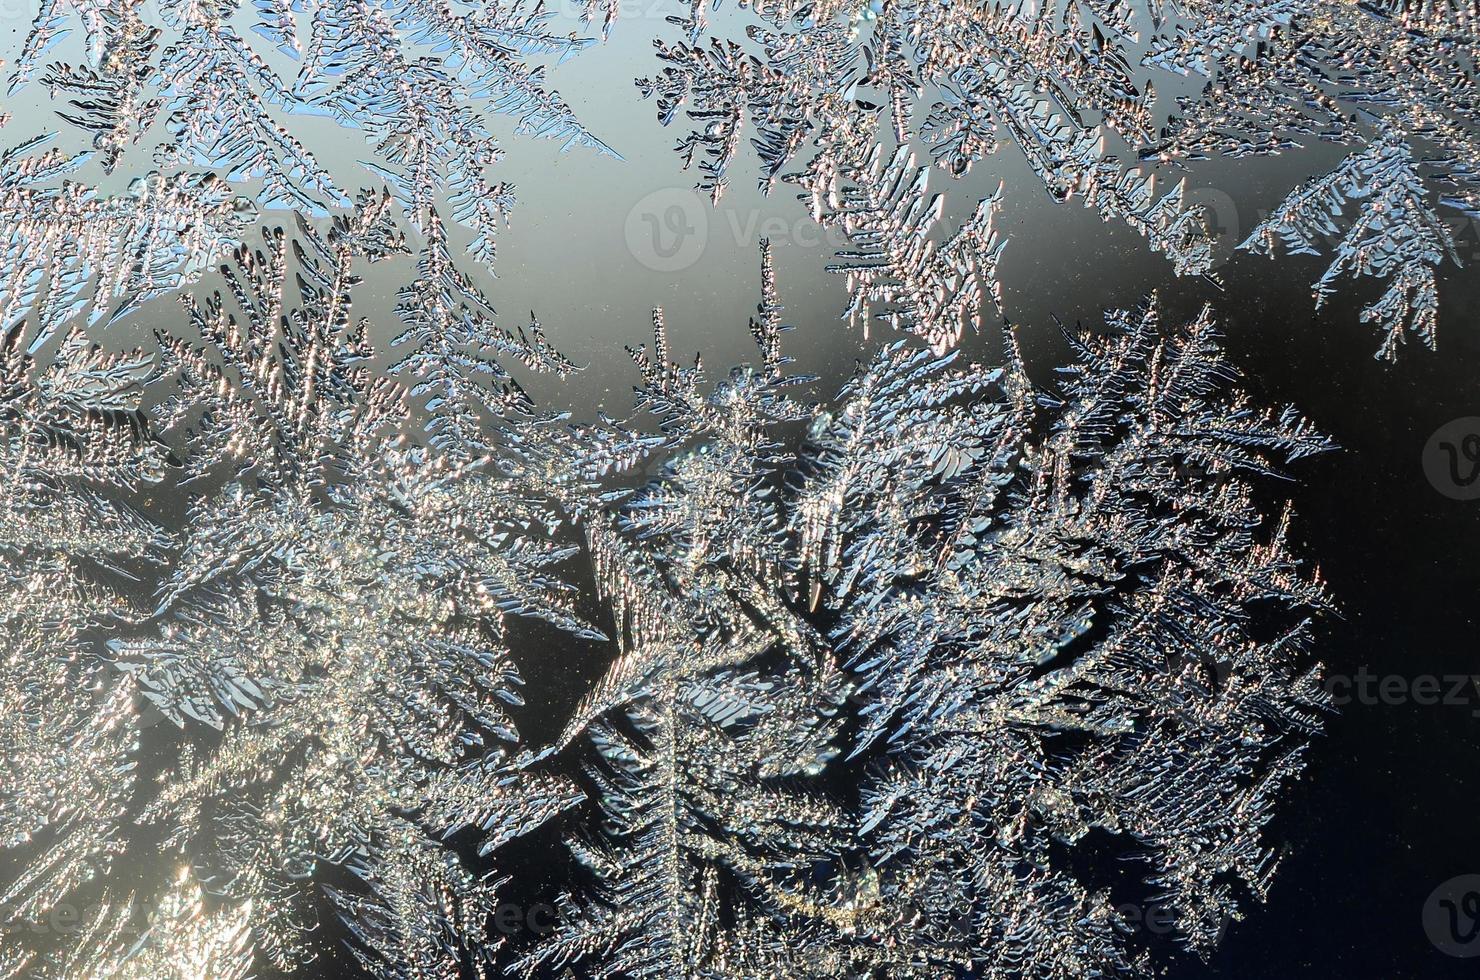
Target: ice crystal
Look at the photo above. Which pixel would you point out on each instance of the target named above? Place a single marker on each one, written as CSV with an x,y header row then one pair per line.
x,y
71,437
421,79
338,609
1074,85
1024,617
127,250
335,612
182,939
1067,82
1395,76
1052,627
925,679
1395,236
452,340
931,291
830,75
893,677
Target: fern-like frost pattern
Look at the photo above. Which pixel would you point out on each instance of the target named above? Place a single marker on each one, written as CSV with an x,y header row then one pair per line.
x,y
925,676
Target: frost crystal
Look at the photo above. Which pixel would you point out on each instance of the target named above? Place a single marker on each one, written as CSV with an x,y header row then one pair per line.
x,y
1395,75
69,434
338,609
832,74
924,680
156,238
1068,82
1075,86
421,79
1396,235
330,637
1024,618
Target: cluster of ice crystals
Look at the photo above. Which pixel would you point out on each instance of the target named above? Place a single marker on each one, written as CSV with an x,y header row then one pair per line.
x,y
926,679
831,96
1019,621
878,663
1073,85
187,88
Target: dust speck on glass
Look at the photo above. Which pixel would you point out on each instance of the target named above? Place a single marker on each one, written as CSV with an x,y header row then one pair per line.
x,y
389,591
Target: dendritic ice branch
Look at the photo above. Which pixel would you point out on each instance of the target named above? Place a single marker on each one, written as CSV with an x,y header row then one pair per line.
x,y
897,272
1050,622
1395,77
1020,618
893,679
454,351
210,86
836,84
69,250
330,638
726,703
922,680
72,441
1396,236
1075,86
182,939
